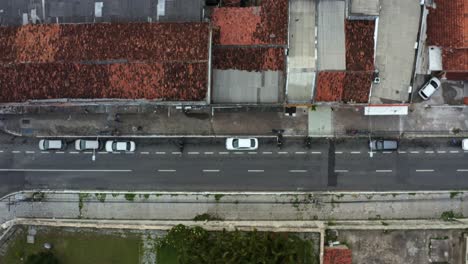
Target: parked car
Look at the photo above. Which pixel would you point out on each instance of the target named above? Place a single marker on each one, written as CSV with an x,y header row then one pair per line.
x,y
241,143
52,144
85,144
115,145
383,144
429,88
465,144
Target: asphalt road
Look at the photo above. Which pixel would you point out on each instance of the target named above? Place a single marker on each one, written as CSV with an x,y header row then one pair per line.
x,y
205,165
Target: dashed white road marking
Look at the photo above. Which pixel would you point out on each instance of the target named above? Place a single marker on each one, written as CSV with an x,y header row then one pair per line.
x,y
238,153
462,170
454,151
341,171
1,151
383,170
414,152
59,152
88,152
74,152
30,152
252,153
387,152
267,152
193,153
401,152
338,152
209,153
355,152
223,153
429,151
15,151
64,170
163,153
316,152
167,170
282,152
176,153
103,152
255,170
45,152
441,151
129,152
115,152
297,171
210,170
300,152
430,170
144,153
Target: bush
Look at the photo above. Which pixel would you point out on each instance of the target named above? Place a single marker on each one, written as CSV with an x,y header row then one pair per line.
x,y
42,258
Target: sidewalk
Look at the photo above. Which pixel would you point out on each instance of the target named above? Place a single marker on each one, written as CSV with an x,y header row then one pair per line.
x,y
135,121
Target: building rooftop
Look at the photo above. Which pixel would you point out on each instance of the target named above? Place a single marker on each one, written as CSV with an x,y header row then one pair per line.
x,y
337,255
447,24
249,59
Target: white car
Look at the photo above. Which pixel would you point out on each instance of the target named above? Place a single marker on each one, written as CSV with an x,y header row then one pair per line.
x,y
241,144
115,145
465,144
84,144
52,144
429,88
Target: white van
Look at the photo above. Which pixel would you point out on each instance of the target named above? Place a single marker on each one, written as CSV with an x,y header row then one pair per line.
x,y
84,144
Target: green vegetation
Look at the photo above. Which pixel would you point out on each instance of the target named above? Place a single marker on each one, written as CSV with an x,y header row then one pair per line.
x,y
146,195
196,245
384,223
115,195
206,217
218,197
81,198
100,197
46,257
130,197
450,216
454,194
74,248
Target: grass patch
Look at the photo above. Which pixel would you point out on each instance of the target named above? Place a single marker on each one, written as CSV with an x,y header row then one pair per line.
x,y
450,215
130,197
206,217
100,197
115,195
76,247
454,194
218,197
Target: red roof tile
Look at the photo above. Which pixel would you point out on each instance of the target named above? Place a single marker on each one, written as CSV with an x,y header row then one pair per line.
x,y
164,81
357,87
359,45
455,59
265,24
330,86
249,59
337,256
447,24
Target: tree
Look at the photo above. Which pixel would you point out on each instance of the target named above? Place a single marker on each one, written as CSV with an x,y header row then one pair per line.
x,y
46,257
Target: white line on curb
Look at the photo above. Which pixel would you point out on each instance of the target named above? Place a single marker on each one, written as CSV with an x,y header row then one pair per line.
x,y
210,170
255,170
297,171
424,170
383,170
64,170
167,170
341,171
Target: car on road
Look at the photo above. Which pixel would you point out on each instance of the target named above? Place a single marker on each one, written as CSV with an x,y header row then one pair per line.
x,y
383,144
115,145
86,144
241,143
465,144
52,144
429,88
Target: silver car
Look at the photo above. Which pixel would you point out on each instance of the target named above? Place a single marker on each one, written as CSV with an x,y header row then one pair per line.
x,y
383,144
52,144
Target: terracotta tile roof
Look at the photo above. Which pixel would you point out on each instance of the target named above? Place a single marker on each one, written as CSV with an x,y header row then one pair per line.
x,y
249,59
265,24
164,81
359,45
337,256
95,42
447,24
329,86
357,86
455,59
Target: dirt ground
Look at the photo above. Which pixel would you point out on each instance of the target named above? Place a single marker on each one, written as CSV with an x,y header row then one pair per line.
x,y
409,247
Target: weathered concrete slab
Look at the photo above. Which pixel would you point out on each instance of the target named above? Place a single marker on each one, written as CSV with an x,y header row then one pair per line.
x,y
321,122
